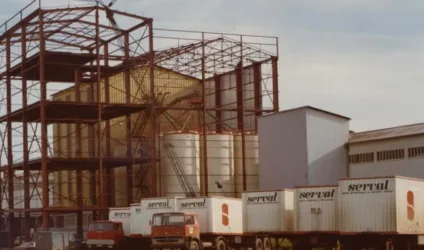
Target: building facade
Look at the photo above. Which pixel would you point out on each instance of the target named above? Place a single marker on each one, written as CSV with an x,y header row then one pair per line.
x,y
385,152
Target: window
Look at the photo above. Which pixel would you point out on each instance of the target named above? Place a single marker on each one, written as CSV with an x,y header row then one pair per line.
x,y
361,158
70,221
104,226
189,220
168,220
390,155
415,152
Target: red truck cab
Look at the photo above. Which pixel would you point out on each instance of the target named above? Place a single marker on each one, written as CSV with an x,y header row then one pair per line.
x,y
175,230
104,235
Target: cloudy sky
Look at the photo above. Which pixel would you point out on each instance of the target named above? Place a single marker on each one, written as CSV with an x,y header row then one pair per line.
x,y
359,58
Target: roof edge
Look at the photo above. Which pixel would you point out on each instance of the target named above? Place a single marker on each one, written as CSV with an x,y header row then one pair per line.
x,y
307,107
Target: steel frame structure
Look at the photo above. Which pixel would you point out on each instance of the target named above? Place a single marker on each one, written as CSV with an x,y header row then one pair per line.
x,y
75,45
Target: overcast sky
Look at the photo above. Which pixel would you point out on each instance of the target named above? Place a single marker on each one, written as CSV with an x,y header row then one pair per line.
x,y
360,58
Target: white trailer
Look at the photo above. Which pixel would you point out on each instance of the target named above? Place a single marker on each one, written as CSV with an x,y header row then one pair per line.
x,y
315,209
123,215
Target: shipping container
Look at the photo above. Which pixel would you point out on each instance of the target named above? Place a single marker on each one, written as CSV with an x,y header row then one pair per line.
x,y
315,209
382,205
135,223
268,211
121,214
216,215
150,206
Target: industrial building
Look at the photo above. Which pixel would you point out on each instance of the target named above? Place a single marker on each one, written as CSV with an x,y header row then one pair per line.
x,y
140,115
389,151
302,146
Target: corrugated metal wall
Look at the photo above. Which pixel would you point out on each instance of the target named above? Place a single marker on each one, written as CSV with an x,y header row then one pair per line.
x,y
327,136
308,144
167,83
282,150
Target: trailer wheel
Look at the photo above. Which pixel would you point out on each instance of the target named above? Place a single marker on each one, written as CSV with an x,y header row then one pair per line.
x,y
267,244
220,245
259,245
194,245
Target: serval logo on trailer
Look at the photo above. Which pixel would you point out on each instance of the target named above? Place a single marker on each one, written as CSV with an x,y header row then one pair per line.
x,y
410,205
225,214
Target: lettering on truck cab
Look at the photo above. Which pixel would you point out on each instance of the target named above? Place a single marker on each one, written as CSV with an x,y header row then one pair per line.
x,y
262,199
368,188
317,195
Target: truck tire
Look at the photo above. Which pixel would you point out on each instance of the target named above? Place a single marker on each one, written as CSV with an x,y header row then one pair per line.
x,y
267,243
194,245
258,244
220,245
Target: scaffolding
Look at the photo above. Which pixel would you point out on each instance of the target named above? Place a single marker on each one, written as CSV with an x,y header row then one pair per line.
x,y
105,93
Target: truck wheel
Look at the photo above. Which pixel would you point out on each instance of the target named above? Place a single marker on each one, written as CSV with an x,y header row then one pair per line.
x,y
194,245
220,245
259,245
267,244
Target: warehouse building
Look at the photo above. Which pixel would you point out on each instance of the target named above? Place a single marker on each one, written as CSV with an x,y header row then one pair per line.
x,y
389,151
302,146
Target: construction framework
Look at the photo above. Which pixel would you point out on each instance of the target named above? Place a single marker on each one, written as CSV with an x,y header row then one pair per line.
x,y
77,46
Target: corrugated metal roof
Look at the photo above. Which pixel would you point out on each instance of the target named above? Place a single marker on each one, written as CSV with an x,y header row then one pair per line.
x,y
387,133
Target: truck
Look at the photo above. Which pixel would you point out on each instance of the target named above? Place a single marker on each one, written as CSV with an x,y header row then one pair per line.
x,y
199,223
128,227
112,233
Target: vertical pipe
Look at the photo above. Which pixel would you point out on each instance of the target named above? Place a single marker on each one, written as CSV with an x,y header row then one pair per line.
x,y
27,197
79,195
109,171
69,154
275,99
127,82
10,172
153,109
44,169
99,121
205,141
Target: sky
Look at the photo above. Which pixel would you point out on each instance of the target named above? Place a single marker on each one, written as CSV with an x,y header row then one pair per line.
x,y
359,58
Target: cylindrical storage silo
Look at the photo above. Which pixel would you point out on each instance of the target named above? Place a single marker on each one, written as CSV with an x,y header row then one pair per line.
x,y
251,146
220,164
183,147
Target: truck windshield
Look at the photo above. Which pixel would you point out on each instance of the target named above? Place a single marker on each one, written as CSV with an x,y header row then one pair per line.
x,y
103,226
168,220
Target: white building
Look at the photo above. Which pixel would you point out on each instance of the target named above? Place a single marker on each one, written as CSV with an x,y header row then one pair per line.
x,y
390,151
302,146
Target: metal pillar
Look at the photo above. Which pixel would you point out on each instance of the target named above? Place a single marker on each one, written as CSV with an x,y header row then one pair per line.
x,y
204,112
99,121
10,172
153,111
275,99
79,196
27,198
127,82
44,143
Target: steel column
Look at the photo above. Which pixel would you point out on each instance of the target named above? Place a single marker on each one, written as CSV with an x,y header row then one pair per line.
x,y
257,86
127,82
204,113
153,110
218,94
99,121
275,93
79,196
27,198
10,172
44,142
109,172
